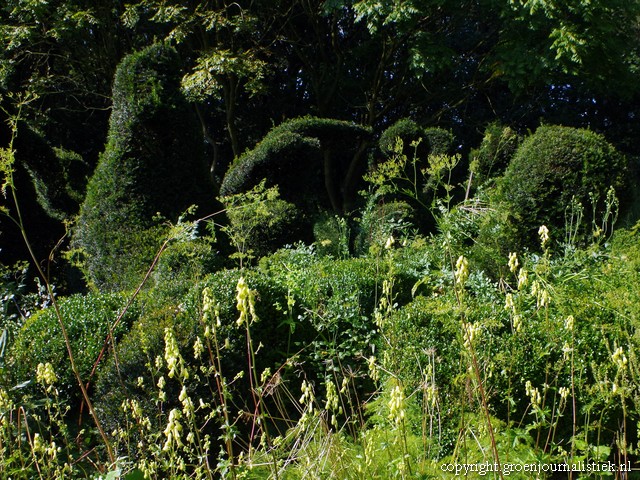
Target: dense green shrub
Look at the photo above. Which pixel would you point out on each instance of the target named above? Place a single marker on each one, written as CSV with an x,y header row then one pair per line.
x,y
441,141
150,167
382,219
260,222
496,150
432,140
551,167
87,320
313,314
308,158
408,132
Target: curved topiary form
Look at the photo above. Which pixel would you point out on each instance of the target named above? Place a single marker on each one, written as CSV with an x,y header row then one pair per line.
x,y
314,161
551,167
153,165
498,147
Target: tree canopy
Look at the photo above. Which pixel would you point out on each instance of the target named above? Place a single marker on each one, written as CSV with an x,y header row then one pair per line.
x,y
248,65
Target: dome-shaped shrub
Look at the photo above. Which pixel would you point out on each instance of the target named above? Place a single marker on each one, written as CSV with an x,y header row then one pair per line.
x,y
408,131
315,162
433,140
551,167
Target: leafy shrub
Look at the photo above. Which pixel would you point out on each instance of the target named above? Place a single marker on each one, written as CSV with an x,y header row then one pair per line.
x,y
260,222
432,140
332,236
87,319
182,264
441,141
551,167
148,168
308,158
76,172
382,219
498,146
313,315
408,131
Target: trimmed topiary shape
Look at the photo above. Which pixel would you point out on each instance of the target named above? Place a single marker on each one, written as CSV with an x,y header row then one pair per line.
x,y
432,140
551,167
153,166
314,161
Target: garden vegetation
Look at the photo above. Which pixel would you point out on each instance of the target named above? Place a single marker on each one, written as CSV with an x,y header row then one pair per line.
x,y
349,281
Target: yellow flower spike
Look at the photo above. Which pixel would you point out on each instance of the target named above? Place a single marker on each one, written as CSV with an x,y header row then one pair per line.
x,y
523,278
462,270
543,231
513,262
569,323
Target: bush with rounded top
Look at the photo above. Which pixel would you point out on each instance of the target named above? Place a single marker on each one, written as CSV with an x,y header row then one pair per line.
x,y
552,166
153,164
432,140
88,320
441,141
306,157
408,132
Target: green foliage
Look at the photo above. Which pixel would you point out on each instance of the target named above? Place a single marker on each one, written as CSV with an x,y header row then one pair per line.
x,y
409,132
14,303
382,220
148,168
332,236
308,158
551,167
432,140
426,185
441,141
313,313
491,158
260,222
54,173
88,320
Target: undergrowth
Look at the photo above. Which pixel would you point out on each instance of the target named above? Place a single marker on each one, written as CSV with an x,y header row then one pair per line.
x,y
407,362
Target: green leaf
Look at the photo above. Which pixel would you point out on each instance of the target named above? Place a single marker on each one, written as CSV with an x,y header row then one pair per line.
x,y
134,475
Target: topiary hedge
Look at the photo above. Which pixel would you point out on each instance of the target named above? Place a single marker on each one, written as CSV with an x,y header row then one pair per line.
x,y
153,164
408,131
441,141
433,140
87,320
309,158
552,166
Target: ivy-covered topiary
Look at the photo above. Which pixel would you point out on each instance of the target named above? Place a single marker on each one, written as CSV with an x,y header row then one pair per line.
x,y
314,161
551,167
153,166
